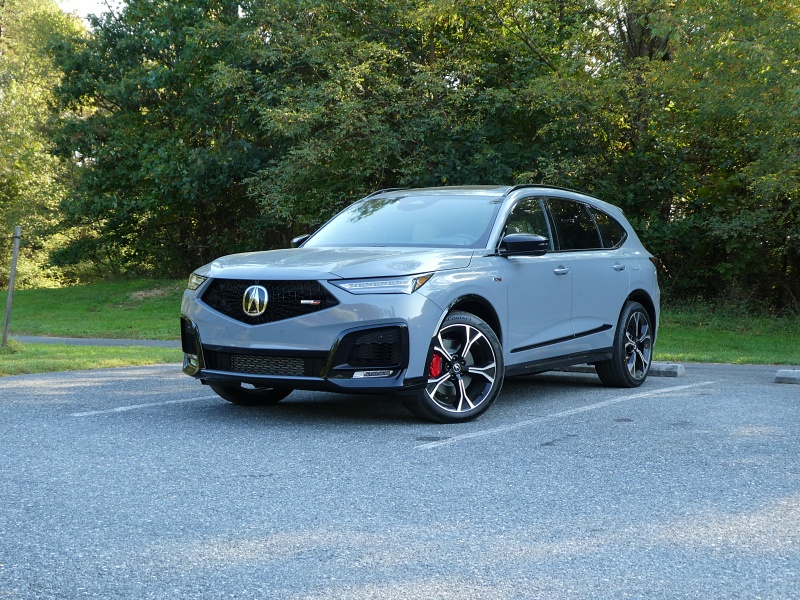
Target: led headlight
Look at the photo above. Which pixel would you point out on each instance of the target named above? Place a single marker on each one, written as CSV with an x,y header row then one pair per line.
x,y
195,281
384,285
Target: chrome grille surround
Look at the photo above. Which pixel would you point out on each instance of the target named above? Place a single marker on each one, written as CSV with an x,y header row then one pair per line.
x,y
287,299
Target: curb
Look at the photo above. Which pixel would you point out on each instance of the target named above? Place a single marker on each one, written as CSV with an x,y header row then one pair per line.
x,y
656,369
788,376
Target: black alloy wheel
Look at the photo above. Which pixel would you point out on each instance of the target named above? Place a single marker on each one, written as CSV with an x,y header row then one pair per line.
x,y
633,349
465,371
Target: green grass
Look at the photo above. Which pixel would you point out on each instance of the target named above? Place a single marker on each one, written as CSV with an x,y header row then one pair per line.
x,y
121,309
150,309
146,309
702,333
19,359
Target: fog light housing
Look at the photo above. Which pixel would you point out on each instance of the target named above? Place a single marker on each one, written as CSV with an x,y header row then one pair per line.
x,y
190,344
191,364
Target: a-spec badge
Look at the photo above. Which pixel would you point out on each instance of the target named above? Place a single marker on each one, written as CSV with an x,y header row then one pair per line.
x,y
255,300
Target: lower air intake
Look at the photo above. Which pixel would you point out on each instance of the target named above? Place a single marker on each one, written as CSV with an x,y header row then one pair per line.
x,y
256,364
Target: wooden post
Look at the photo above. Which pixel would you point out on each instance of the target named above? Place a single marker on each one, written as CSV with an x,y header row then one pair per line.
x,y
12,274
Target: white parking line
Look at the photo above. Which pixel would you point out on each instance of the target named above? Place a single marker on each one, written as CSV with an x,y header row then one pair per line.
x,y
120,409
558,415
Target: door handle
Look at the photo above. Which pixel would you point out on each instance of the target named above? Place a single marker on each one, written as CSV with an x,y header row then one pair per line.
x,y
619,267
561,270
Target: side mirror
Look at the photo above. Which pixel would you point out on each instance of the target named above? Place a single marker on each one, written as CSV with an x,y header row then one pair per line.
x,y
296,242
524,244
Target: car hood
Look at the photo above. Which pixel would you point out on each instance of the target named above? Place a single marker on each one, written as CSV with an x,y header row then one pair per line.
x,y
327,263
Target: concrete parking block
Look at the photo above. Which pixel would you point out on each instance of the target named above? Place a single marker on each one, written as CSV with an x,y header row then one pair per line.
x,y
667,370
657,369
788,376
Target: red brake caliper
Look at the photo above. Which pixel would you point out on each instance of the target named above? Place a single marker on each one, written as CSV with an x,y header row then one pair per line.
x,y
436,366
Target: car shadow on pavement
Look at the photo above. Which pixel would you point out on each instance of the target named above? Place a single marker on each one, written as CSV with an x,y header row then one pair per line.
x,y
313,407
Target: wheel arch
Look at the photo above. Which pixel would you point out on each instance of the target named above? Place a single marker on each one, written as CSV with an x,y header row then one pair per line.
x,y
481,308
646,301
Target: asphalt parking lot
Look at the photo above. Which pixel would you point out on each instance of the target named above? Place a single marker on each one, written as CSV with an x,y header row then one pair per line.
x,y
140,483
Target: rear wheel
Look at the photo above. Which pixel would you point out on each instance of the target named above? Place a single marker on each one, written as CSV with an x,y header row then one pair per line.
x,y
244,395
465,371
633,349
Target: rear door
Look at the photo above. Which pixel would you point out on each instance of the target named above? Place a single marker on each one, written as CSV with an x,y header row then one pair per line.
x,y
600,275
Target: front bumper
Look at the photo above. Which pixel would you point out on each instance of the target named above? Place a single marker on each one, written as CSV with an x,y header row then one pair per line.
x,y
360,345
363,359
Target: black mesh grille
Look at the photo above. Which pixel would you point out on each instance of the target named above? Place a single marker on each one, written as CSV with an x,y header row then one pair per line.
x,y
381,348
256,364
188,337
287,299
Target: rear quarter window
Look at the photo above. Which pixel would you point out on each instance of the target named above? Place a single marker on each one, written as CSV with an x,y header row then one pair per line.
x,y
612,233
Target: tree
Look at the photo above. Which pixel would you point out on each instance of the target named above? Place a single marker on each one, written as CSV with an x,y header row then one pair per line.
x,y
208,127
735,113
686,115
32,181
358,96
162,140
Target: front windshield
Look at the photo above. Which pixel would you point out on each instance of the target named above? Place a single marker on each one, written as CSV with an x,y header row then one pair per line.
x,y
450,221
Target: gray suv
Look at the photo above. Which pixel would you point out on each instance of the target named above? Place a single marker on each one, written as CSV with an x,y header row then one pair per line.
x,y
434,295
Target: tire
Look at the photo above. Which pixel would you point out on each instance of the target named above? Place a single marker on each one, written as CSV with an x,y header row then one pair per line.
x,y
465,371
243,396
632,350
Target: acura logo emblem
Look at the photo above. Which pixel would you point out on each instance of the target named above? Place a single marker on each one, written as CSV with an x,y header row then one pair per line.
x,y
255,300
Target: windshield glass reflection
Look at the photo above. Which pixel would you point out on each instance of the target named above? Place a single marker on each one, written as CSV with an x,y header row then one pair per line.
x,y
437,220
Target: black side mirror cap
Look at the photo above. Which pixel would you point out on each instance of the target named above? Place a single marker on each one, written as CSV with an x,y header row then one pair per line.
x,y
296,242
524,244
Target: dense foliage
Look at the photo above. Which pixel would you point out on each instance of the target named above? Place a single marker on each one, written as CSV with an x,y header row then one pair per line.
x,y
203,127
161,140
32,180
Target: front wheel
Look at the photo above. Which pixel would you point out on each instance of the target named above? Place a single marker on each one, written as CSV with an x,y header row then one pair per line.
x,y
250,396
465,371
632,350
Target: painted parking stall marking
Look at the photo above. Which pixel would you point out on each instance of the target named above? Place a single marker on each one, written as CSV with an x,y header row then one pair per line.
x,y
558,415
120,409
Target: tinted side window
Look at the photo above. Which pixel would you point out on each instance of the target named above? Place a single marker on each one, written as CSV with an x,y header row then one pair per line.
x,y
611,231
574,225
528,217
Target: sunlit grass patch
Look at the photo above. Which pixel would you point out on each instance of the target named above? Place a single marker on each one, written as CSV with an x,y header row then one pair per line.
x,y
707,334
142,309
19,359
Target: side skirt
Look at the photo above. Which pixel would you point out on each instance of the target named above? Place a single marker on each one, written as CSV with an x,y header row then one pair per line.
x,y
574,336
549,364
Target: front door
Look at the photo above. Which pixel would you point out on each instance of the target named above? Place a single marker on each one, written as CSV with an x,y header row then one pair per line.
x,y
539,292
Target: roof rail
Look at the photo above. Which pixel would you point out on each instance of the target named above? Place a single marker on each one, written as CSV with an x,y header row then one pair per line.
x,y
382,191
522,186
